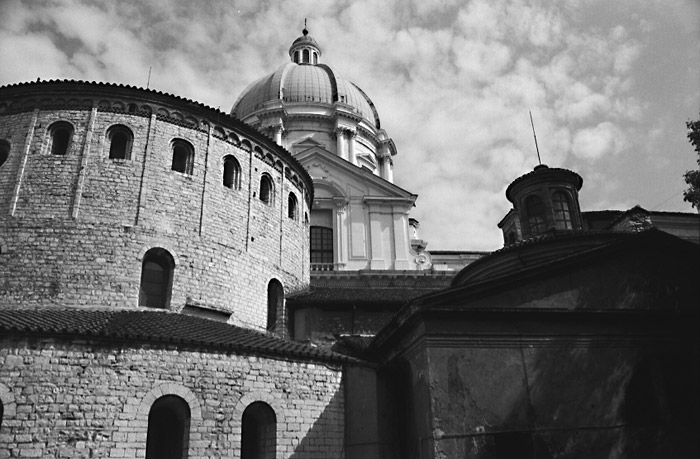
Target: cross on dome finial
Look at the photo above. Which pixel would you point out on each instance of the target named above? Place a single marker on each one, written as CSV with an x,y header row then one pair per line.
x,y
305,32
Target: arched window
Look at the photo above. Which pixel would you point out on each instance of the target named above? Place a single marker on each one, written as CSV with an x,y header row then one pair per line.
x,y
321,248
232,173
267,192
296,56
292,207
562,211
275,301
183,156
306,56
259,432
534,210
61,134
156,279
120,141
168,428
4,151
315,58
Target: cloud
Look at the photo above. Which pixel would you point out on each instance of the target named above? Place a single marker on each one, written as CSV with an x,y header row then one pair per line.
x,y
453,81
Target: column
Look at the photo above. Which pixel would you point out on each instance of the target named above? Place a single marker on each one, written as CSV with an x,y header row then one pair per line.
x,y
342,149
351,147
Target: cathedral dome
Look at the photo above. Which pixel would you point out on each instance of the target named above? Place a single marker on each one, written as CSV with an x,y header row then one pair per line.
x,y
305,82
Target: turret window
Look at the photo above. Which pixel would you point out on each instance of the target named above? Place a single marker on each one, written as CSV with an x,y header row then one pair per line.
x,y
306,56
292,207
232,173
267,192
562,211
296,56
120,142
61,134
183,157
534,209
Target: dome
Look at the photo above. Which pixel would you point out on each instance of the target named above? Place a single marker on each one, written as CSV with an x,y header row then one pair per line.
x,y
304,82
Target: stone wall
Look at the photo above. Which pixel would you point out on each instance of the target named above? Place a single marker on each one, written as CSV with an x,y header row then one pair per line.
x,y
74,228
88,399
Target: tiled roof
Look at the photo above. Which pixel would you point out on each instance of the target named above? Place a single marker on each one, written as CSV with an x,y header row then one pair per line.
x,y
154,326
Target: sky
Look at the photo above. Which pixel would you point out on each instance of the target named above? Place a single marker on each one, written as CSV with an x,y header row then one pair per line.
x,y
610,84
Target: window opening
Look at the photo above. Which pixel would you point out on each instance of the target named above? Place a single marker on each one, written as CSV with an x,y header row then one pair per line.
x,y
315,58
168,428
259,432
183,157
275,301
321,245
4,151
306,56
292,211
534,208
61,134
562,211
296,56
232,173
266,191
121,139
156,279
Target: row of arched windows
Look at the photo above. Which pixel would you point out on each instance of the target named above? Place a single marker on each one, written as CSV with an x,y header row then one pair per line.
x,y
121,140
156,285
169,430
535,213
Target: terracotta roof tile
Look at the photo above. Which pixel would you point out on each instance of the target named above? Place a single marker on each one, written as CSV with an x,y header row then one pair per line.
x,y
154,326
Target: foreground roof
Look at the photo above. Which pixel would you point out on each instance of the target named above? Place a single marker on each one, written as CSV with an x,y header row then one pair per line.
x,y
154,326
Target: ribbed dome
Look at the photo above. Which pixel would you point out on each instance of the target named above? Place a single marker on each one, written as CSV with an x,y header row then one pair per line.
x,y
304,84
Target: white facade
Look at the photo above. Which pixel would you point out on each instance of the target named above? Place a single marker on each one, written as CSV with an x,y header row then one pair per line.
x,y
332,128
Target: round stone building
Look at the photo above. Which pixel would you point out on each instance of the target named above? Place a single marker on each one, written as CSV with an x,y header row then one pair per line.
x,y
126,197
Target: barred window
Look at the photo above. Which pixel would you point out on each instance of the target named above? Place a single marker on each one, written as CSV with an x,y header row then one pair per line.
x,y
534,209
321,244
562,211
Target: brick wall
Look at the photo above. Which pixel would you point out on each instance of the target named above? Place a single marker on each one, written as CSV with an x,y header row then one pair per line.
x,y
87,399
75,227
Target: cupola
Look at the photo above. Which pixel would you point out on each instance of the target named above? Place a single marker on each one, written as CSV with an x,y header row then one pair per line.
x,y
543,200
305,50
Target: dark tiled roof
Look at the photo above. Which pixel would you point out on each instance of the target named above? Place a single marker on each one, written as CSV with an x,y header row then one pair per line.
x,y
154,326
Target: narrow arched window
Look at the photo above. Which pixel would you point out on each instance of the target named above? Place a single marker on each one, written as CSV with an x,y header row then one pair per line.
x,y
61,134
321,248
267,192
562,211
232,173
306,56
259,432
275,302
120,141
156,279
4,151
534,210
183,156
296,56
168,428
292,207
315,58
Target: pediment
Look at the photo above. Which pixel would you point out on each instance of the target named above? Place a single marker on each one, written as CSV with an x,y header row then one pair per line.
x,y
327,169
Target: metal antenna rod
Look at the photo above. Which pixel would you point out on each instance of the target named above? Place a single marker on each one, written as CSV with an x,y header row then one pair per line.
x,y
535,136
149,77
